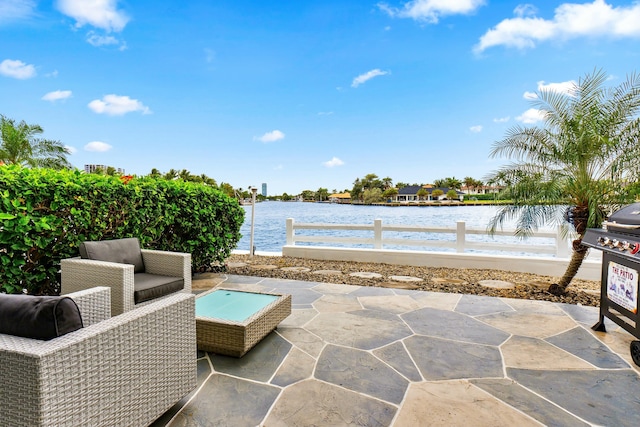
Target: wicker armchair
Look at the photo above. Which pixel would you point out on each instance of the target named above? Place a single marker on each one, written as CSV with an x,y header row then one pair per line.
x,y
79,274
116,371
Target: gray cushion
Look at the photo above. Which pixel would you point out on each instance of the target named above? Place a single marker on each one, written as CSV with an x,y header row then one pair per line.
x,y
39,317
149,286
122,251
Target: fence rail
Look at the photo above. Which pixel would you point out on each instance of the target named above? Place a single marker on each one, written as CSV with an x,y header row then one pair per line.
x,y
560,247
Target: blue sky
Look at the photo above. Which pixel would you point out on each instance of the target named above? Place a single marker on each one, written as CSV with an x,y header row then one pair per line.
x,y
299,94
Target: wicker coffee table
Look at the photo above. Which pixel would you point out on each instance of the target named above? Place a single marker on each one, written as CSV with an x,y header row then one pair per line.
x,y
231,322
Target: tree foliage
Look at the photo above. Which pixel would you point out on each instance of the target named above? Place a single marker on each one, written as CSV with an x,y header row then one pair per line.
x,y
578,165
20,145
46,214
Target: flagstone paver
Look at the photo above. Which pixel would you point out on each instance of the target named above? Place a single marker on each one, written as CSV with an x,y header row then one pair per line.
x,y
602,397
534,353
396,356
296,367
360,371
531,404
454,326
316,403
366,275
395,304
440,359
224,398
529,324
457,403
406,279
496,284
474,305
587,347
363,355
328,272
357,331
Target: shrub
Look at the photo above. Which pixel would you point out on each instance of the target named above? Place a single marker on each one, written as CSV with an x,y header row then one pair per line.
x,y
46,214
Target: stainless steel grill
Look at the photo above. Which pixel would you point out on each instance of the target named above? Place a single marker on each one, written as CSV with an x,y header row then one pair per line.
x,y
620,242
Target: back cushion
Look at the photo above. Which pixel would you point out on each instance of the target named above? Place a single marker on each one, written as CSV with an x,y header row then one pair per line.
x,y
39,317
122,251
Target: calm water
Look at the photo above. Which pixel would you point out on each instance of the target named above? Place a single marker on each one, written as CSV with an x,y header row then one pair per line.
x,y
270,222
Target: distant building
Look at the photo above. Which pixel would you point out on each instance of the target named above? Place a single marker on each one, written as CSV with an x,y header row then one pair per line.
x,y
264,189
94,168
340,198
410,193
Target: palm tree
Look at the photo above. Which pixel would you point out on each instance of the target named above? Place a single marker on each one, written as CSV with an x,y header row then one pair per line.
x,y
19,145
575,169
469,183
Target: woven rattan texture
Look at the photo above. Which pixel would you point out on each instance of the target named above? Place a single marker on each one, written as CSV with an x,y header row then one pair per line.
x,y
124,371
237,338
79,274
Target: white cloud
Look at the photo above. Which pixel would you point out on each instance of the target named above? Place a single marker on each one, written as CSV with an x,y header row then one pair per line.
x,y
17,69
567,88
501,119
532,115
596,19
476,129
273,136
100,40
56,95
71,149
333,162
11,10
431,10
525,10
325,113
103,14
98,146
278,168
115,105
362,78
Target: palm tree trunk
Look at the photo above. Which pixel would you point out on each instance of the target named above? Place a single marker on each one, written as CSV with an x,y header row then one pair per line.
x,y
578,255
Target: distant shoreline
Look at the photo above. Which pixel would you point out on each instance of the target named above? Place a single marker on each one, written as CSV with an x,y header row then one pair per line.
x,y
418,204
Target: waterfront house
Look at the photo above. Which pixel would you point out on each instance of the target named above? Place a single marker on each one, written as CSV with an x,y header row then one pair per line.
x,y
340,197
410,193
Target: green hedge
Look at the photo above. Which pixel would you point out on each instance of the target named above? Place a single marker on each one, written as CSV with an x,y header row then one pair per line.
x,y
46,214
490,196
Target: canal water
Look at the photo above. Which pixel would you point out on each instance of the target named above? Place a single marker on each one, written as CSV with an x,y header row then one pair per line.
x,y
270,223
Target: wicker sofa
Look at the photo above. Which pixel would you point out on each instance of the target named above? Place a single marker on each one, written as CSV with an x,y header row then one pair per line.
x,y
80,273
115,371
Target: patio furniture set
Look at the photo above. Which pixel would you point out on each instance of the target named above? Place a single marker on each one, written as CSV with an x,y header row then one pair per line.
x,y
118,347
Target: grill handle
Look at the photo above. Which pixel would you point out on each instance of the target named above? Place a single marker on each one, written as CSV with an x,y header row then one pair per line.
x,y
625,226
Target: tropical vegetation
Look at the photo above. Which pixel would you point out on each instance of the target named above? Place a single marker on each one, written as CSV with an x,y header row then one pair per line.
x,y
45,214
578,167
20,145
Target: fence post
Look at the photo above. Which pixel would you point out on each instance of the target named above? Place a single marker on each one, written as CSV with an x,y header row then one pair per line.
x,y
460,236
377,234
562,244
290,232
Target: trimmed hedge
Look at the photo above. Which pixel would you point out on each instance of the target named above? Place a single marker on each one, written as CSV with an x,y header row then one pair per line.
x,y
46,214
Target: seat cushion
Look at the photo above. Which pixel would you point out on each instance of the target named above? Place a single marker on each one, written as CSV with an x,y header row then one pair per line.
x,y
39,317
149,286
122,251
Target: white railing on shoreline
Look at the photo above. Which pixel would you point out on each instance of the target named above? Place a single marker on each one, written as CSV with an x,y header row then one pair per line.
x,y
559,249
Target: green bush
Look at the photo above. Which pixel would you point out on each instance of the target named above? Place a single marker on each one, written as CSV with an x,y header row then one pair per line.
x,y
491,196
46,214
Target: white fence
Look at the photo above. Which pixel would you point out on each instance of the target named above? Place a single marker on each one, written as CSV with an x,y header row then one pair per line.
x,y
553,265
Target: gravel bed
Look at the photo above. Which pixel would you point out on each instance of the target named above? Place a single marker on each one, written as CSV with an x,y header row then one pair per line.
x,y
451,280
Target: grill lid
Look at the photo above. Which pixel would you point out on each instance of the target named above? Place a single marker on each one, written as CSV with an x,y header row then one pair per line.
x,y
625,220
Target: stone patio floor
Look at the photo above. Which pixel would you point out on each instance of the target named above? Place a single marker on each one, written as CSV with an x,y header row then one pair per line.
x,y
368,356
